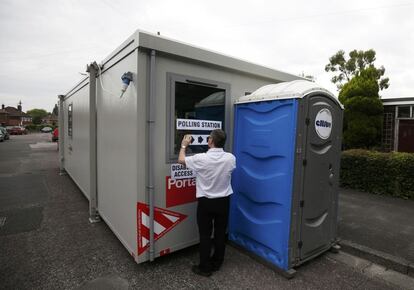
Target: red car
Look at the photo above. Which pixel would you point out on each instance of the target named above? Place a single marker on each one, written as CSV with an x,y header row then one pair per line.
x,y
17,130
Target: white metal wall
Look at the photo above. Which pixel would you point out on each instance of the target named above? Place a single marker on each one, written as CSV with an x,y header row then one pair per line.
x,y
117,151
76,151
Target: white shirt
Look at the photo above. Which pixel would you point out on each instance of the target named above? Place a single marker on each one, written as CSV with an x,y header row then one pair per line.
x,y
213,171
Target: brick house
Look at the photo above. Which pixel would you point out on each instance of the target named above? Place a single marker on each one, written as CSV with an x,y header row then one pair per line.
x,y
398,127
11,116
4,116
50,119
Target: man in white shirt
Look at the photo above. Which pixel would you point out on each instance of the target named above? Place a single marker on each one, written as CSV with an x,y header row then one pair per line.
x,y
213,186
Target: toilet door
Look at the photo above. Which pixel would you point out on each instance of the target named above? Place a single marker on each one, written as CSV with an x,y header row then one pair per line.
x,y
321,173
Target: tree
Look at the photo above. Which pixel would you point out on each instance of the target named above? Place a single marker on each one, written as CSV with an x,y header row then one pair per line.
x,y
363,112
37,115
358,62
55,110
359,83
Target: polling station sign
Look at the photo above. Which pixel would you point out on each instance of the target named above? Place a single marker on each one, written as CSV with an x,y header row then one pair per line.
x,y
203,125
179,171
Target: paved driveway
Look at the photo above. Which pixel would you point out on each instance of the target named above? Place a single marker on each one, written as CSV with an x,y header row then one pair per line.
x,y
47,242
382,223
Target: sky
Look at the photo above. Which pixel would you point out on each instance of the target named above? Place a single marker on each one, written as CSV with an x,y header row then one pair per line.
x,y
45,45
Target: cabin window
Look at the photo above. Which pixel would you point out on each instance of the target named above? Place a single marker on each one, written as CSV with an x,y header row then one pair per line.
x,y
196,107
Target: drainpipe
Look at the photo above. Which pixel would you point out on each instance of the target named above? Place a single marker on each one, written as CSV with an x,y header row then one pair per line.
x,y
92,69
61,140
151,121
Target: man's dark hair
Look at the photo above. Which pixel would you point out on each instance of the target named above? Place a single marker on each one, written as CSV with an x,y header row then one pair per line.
x,y
219,138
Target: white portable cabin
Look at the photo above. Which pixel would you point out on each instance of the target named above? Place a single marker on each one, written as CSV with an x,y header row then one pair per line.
x,y
120,150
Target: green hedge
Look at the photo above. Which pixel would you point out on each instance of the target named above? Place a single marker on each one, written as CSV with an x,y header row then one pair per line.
x,y
37,128
379,173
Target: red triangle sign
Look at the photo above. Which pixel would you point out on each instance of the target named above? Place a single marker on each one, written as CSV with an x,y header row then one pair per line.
x,y
164,221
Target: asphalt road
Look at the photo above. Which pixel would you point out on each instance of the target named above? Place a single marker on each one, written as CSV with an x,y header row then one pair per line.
x,y
46,241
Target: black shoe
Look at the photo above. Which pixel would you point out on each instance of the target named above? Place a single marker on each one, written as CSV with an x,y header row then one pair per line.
x,y
215,266
198,271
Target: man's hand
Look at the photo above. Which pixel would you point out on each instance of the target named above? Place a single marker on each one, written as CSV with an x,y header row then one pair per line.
x,y
186,140
184,143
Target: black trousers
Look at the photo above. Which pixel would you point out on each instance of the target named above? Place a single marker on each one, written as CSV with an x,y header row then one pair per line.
x,y
211,213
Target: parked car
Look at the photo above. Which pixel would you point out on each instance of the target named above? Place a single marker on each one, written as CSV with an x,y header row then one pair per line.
x,y
9,129
1,136
17,130
46,130
55,135
5,133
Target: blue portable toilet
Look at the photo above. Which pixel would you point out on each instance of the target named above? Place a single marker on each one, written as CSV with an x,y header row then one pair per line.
x,y
287,141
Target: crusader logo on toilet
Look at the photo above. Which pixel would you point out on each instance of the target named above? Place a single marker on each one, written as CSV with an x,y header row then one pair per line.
x,y
323,123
